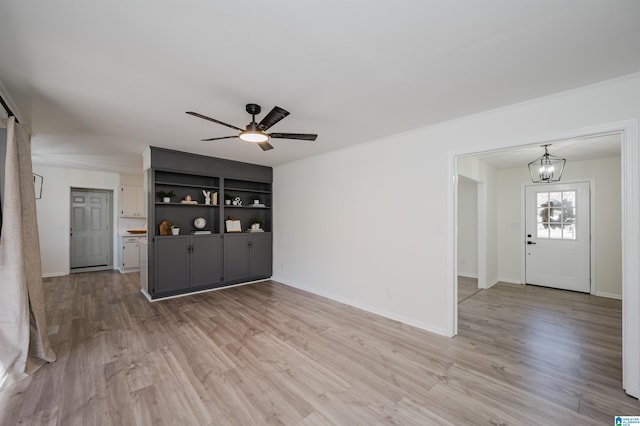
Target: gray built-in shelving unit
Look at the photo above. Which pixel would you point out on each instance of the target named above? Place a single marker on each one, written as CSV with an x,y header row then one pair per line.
x,y
185,263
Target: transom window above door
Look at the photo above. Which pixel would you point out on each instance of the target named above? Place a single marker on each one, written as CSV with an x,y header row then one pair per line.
x,y
556,215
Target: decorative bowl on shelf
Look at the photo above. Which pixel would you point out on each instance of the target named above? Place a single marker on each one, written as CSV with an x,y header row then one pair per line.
x,y
137,231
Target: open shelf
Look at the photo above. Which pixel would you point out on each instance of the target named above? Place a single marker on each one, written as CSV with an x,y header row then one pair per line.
x,y
160,203
257,191
187,185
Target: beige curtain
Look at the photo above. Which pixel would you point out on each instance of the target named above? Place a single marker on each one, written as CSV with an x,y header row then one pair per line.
x,y
24,344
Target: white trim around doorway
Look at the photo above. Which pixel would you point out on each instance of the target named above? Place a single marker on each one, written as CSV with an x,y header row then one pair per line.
x,y
630,158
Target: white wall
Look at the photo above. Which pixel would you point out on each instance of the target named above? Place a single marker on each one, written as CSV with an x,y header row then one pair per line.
x,y
357,226
369,224
607,220
54,216
485,175
467,228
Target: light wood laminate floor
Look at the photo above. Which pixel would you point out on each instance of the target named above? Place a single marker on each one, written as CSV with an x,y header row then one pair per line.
x,y
270,354
467,287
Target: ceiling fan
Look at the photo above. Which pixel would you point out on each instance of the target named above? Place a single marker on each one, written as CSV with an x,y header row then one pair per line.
x,y
256,132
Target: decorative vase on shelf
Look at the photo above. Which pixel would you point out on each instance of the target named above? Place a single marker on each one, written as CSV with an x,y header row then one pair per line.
x,y
166,199
227,202
175,231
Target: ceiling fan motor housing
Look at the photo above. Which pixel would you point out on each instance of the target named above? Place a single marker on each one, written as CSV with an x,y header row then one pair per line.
x,y
253,109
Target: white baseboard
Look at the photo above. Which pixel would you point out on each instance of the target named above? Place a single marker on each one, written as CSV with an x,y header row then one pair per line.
x,y
383,313
510,281
148,296
54,274
492,283
467,275
609,295
145,294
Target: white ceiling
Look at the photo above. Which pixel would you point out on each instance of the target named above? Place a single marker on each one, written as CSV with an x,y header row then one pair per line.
x,y
600,146
99,81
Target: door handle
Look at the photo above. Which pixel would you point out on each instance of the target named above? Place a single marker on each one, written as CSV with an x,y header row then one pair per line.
x,y
531,242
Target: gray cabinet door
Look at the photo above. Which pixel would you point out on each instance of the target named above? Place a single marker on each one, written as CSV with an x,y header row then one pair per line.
x,y
236,257
205,260
171,260
260,259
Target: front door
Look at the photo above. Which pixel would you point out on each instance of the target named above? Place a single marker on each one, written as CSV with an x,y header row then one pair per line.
x,y
90,234
558,234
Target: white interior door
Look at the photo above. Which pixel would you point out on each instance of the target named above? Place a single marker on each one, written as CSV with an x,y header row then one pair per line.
x,y
558,234
90,235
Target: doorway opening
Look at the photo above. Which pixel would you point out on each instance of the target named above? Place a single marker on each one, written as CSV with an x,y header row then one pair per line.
x,y
627,215
90,230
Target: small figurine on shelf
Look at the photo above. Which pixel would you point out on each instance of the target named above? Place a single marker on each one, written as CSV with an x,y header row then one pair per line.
x,y
188,200
207,196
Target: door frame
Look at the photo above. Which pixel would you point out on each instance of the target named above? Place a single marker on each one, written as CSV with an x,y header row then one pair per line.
x,y
630,194
111,219
592,230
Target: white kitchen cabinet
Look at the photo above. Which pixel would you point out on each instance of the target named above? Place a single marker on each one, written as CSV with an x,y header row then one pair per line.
x,y
130,255
131,201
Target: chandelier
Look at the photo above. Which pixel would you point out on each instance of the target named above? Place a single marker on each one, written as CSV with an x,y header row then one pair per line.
x,y
547,168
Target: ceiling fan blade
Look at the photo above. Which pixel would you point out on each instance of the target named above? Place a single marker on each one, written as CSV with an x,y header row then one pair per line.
x,y
266,146
301,136
204,117
275,115
217,139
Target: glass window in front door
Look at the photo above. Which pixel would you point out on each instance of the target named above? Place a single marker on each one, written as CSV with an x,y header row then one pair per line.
x,y
556,215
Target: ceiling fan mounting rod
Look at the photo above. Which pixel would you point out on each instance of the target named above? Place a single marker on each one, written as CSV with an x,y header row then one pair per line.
x,y
253,109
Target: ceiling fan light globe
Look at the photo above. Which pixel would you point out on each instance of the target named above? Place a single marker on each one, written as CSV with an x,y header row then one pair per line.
x,y
253,136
